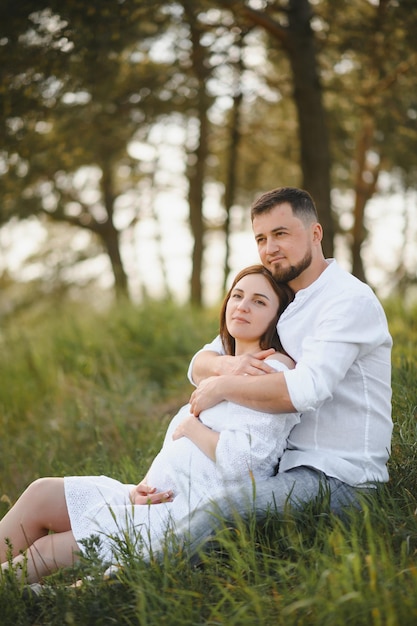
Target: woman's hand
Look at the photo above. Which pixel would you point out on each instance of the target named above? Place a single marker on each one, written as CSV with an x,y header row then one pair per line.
x,y
202,436
143,494
186,428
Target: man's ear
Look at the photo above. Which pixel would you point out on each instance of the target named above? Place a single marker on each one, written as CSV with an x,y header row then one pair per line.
x,y
317,232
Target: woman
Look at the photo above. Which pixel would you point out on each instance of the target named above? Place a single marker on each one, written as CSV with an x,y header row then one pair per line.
x,y
226,445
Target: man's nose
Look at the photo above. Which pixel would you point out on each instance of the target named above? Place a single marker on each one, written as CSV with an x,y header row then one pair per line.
x,y
271,245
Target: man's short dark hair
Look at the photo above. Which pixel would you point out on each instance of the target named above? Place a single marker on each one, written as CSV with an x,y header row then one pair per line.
x,y
301,202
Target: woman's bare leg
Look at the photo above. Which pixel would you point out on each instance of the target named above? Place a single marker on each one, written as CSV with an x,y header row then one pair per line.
x,y
40,509
45,556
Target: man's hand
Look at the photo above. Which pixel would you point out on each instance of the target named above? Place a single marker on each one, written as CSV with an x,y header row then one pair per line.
x,y
207,394
208,363
143,494
250,364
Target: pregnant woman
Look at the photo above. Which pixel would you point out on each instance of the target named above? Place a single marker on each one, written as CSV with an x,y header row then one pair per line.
x,y
225,447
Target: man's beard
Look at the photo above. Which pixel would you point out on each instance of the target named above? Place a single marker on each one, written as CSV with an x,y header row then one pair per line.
x,y
287,274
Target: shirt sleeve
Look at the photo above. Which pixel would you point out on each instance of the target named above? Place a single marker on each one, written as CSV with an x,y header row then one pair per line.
x,y
215,346
347,331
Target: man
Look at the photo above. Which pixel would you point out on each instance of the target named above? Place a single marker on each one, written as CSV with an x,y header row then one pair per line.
x,y
337,333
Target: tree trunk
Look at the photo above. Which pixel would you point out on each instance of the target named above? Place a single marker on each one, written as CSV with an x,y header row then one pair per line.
x,y
230,186
110,235
313,132
197,161
365,185
110,238
196,178
105,229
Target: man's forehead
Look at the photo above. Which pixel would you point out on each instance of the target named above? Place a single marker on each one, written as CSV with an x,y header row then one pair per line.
x,y
278,218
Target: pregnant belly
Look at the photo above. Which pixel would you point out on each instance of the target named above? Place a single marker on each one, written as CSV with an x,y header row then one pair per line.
x,y
182,467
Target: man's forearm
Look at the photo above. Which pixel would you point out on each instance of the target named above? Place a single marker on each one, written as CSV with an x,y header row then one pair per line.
x,y
209,363
266,393
205,364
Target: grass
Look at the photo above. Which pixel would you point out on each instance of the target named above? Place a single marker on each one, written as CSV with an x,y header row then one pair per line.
x,y
83,392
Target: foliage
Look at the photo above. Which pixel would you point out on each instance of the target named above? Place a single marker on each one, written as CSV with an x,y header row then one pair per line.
x,y
75,380
80,394
71,108
80,82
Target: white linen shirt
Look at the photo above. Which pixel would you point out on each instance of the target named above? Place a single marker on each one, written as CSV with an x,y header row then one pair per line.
x,y
337,333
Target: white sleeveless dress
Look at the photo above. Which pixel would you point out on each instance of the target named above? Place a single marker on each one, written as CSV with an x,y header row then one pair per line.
x,y
250,444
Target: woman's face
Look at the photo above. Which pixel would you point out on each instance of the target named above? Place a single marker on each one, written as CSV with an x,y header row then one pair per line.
x,y
252,305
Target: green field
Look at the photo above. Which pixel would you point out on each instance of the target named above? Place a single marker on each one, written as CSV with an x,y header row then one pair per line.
x,y
89,393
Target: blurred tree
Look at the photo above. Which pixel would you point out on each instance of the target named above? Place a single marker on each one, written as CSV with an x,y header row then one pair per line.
x,y
289,25
255,146
367,97
232,152
251,131
200,69
371,60
253,85
77,82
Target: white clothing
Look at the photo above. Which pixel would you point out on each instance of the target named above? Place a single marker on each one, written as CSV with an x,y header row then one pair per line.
x,y
336,331
248,449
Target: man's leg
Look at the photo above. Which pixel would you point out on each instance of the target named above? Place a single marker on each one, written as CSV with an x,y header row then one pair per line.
x,y
301,485
292,489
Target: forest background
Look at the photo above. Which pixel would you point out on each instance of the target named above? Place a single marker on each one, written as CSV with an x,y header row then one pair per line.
x,y
135,135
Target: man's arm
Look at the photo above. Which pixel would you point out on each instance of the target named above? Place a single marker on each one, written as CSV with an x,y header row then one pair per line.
x,y
263,393
209,363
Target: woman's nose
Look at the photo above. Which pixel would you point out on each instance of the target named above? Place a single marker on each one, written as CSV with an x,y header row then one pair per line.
x,y
243,304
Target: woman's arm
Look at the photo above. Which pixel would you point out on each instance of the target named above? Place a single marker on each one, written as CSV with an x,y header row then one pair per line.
x,y
203,437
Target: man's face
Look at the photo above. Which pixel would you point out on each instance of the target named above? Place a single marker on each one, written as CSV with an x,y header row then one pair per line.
x,y
284,242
